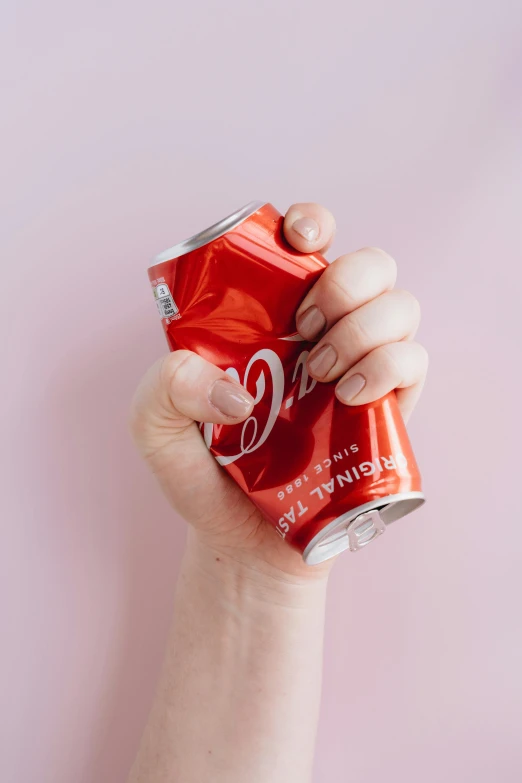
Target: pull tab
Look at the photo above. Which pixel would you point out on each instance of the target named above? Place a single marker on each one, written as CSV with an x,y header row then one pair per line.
x,y
364,529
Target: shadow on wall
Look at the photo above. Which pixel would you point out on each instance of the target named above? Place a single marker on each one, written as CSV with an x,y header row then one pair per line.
x,y
124,541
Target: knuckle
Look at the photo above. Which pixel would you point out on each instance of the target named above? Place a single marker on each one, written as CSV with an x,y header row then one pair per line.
x,y
361,333
384,257
408,303
370,267
333,282
134,419
175,367
138,415
390,362
375,250
403,360
424,357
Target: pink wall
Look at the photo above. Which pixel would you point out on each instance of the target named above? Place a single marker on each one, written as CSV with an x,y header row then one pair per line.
x,y
125,127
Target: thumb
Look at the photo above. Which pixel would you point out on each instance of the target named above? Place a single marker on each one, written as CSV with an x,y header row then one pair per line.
x,y
310,228
179,389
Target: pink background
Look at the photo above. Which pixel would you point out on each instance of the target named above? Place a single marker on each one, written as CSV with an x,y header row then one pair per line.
x,y
126,127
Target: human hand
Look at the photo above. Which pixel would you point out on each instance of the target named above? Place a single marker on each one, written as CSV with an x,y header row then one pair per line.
x,y
365,330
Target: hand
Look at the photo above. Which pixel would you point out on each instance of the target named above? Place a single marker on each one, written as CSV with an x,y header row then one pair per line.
x,y
365,332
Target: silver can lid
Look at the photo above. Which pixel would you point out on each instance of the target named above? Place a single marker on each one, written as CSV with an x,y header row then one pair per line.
x,y
209,234
358,527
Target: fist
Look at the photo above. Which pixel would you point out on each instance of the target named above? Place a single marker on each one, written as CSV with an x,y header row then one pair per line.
x,y
364,330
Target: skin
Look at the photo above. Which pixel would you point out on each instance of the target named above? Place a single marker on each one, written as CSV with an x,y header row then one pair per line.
x,y
238,695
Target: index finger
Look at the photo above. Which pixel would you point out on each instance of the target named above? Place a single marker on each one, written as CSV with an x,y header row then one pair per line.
x,y
309,227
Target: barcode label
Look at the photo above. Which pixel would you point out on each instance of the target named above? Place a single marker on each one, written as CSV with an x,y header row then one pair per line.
x,y
167,307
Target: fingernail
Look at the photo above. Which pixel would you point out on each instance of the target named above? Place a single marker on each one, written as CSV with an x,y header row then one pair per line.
x,y
307,228
321,362
311,323
230,399
351,387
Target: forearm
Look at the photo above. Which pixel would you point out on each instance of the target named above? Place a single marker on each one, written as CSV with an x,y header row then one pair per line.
x,y
239,692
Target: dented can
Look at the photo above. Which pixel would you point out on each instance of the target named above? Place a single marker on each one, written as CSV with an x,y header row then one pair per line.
x,y
326,476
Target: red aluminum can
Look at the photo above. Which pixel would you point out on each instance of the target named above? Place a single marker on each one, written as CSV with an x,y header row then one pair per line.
x,y
326,476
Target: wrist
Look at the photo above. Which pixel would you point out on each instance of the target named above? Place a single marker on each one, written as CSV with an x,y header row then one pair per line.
x,y
245,576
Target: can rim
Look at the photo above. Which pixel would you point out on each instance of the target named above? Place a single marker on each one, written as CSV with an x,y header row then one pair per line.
x,y
325,544
208,234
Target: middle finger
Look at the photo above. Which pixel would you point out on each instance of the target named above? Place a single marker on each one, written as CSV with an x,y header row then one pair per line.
x,y
389,318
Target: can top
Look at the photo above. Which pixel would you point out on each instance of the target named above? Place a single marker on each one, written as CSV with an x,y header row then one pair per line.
x,y
210,233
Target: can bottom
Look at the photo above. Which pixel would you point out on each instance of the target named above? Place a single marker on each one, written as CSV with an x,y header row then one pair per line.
x,y
359,526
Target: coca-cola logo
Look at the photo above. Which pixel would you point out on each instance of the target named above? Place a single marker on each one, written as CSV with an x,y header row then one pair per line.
x,y
252,436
